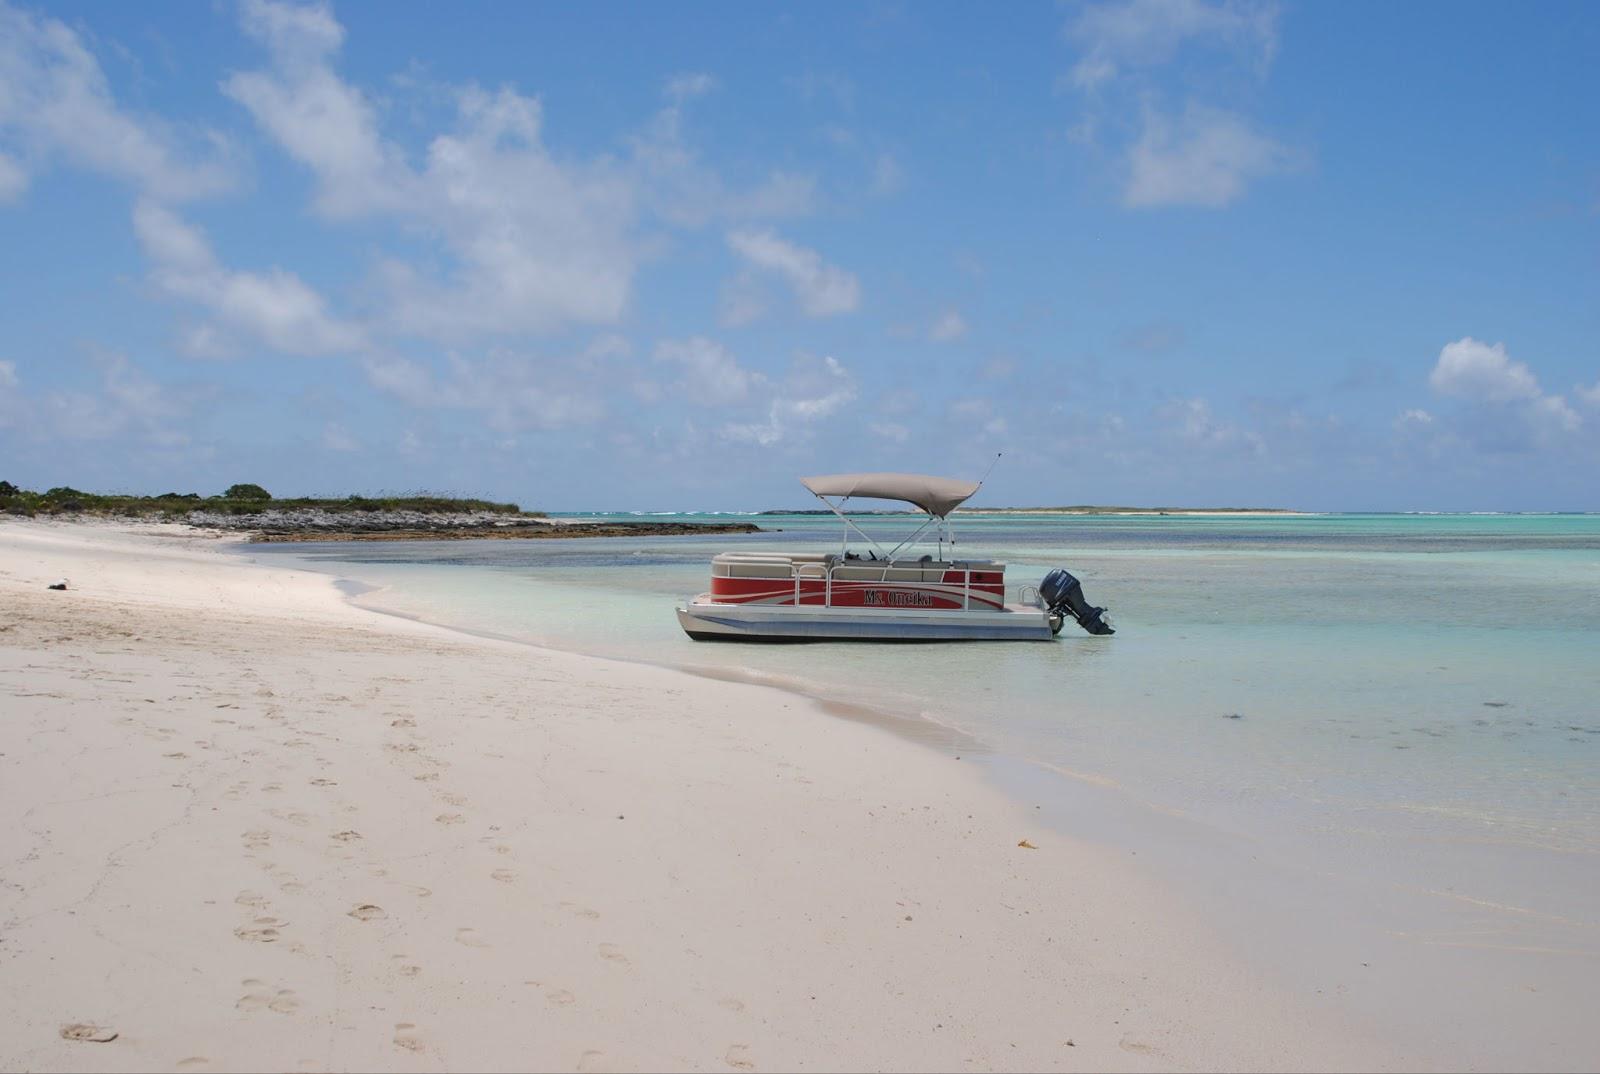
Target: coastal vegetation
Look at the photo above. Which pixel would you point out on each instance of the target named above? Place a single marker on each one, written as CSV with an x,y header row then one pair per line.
x,y
239,499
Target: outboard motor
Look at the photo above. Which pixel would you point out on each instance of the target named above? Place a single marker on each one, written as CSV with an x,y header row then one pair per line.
x,y
1063,595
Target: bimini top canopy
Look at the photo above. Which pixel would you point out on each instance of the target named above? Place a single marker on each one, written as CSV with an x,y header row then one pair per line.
x,y
936,495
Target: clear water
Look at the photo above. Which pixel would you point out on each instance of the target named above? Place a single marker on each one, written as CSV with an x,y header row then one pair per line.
x,y
1409,703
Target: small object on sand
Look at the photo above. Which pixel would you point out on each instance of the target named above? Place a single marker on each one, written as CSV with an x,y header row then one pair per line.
x,y
1233,715
1027,845
84,1031
1496,704
59,583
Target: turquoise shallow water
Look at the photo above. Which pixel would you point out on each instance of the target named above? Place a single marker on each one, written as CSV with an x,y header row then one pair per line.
x,y
1430,666
1408,703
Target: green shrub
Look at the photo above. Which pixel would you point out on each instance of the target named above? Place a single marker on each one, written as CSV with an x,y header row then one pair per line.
x,y
246,492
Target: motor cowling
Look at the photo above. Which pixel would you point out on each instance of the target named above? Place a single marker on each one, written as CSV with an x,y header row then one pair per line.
x,y
1063,595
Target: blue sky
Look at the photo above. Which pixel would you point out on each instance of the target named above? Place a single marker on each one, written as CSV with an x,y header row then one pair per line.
x,y
1336,256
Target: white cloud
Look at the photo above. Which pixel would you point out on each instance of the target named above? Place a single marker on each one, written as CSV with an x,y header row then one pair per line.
x,y
1414,417
513,389
1205,157
681,189
1469,369
890,430
537,243
823,290
949,326
1590,395
887,174
13,180
1553,408
1147,33
709,374
814,391
11,404
1486,375
127,404
1194,422
276,308
55,102
687,86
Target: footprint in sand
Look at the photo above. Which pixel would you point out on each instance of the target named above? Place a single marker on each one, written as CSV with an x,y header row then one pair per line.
x,y
505,876
280,1001
450,818
728,1003
406,1037
191,1062
348,836
258,933
368,912
738,1057
86,1032
612,953
252,899
470,938
176,756
404,721
299,820
421,892
410,971
320,782
452,798
561,998
256,838
593,1060
581,911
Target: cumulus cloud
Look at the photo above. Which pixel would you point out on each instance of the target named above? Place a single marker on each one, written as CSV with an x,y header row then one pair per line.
x,y
816,389
1486,376
276,308
513,389
1195,423
55,103
1469,369
1145,33
822,289
1204,157
126,404
1590,395
949,326
537,243
13,180
708,373
683,190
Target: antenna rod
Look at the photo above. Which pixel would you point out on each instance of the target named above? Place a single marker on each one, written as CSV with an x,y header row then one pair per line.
x,y
992,465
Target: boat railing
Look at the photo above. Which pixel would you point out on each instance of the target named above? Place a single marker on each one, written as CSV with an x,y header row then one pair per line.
x,y
823,569
1029,594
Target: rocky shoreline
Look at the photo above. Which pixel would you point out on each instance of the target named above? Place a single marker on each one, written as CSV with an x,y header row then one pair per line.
x,y
272,526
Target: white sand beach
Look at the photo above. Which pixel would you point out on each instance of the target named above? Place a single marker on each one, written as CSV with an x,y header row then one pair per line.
x,y
251,826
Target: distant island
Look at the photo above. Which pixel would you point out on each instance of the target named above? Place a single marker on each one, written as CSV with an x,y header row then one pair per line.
x,y
252,510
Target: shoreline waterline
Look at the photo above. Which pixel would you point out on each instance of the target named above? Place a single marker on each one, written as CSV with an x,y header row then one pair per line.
x,y
481,811
1451,878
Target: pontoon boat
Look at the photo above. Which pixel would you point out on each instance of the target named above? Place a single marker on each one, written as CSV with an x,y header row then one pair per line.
x,y
879,595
